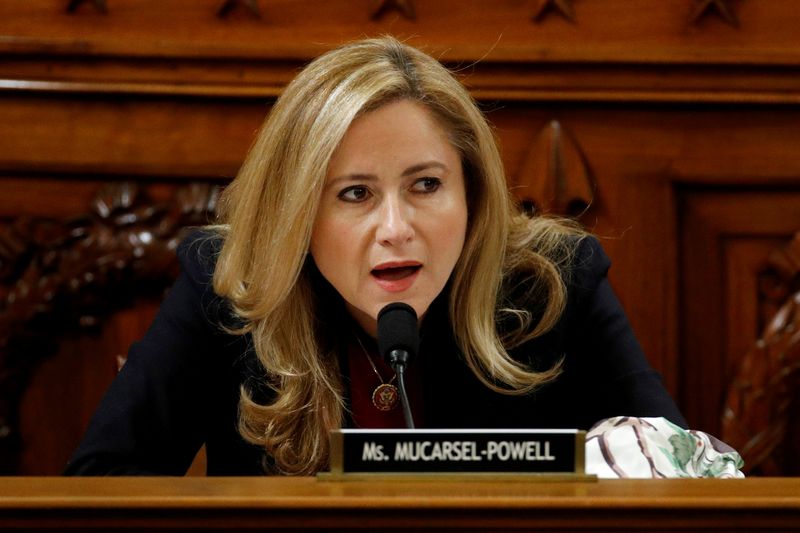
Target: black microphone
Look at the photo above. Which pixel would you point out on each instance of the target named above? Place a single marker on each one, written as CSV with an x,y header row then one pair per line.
x,y
398,342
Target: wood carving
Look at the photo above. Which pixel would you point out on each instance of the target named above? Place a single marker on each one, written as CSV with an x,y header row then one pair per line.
x,y
720,7
229,5
99,5
778,280
57,275
381,7
562,7
757,410
555,177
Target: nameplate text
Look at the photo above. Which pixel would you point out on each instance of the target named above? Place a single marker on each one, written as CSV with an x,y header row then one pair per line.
x,y
469,451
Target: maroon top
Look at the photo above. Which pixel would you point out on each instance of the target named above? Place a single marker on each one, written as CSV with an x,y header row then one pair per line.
x,y
363,382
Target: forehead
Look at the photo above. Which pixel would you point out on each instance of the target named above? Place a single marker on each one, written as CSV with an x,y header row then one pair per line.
x,y
401,132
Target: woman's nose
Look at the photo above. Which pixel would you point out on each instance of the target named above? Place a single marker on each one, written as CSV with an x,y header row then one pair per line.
x,y
394,224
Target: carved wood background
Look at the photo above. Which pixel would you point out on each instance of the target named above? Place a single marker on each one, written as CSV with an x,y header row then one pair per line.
x,y
670,128
764,396
63,275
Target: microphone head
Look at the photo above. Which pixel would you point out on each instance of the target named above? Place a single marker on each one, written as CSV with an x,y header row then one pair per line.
x,y
397,330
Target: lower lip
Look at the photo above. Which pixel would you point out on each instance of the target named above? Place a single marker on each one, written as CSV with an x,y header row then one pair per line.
x,y
397,285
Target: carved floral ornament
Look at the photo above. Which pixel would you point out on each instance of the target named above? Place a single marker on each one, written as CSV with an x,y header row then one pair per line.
x,y
699,9
55,276
756,416
778,280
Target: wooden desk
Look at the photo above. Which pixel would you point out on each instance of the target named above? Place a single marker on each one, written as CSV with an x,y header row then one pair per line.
x,y
754,504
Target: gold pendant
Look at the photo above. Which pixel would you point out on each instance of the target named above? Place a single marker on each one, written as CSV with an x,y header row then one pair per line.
x,y
385,397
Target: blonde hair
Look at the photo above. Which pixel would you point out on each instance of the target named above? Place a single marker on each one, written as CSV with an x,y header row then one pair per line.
x,y
266,221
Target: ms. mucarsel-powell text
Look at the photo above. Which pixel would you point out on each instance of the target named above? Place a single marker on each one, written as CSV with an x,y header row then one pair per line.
x,y
425,450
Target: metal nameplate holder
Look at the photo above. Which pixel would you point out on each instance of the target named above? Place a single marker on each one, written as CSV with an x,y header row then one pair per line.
x,y
458,454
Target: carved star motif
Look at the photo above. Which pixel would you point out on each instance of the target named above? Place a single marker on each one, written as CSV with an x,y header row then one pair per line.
x,y
229,5
99,5
721,7
405,7
563,7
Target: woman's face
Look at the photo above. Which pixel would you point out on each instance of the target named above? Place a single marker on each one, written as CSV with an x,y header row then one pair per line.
x,y
393,217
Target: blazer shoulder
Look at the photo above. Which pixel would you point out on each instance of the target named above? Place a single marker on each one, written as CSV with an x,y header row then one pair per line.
x,y
590,265
197,254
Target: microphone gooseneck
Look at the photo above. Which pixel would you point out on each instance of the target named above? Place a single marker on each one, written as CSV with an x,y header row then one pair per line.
x,y
398,342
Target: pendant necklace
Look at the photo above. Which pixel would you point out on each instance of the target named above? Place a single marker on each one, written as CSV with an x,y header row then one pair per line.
x,y
385,396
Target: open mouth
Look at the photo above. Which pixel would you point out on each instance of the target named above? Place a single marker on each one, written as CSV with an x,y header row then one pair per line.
x,y
395,273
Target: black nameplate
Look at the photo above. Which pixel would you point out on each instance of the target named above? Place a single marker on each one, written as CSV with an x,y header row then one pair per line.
x,y
403,451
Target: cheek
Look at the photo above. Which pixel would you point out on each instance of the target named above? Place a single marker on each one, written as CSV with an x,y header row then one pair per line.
x,y
324,232
455,230
320,244
332,248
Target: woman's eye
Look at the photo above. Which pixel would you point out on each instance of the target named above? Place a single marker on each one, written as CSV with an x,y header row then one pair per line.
x,y
354,193
427,185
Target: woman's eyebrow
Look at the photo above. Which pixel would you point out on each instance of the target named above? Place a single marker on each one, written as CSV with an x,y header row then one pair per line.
x,y
351,177
357,176
424,166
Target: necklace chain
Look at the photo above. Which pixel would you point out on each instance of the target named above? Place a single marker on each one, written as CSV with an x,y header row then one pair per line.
x,y
385,396
372,363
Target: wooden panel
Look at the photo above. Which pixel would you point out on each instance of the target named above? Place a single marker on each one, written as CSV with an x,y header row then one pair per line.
x,y
224,504
68,385
643,160
127,136
744,259
612,30
614,50
724,234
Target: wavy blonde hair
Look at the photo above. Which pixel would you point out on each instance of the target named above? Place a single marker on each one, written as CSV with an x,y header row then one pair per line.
x,y
267,218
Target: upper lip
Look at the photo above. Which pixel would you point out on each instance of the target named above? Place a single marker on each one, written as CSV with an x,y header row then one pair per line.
x,y
396,264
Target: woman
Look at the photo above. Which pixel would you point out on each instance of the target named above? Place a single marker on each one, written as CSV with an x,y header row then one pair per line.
x,y
374,179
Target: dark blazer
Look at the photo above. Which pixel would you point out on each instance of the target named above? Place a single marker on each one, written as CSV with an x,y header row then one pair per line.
x,y
181,383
